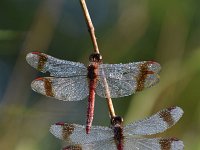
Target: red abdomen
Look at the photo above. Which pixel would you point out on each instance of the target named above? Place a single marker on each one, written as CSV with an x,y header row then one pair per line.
x,y
91,100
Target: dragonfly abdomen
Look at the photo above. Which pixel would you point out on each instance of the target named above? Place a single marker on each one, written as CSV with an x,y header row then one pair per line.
x,y
91,101
92,79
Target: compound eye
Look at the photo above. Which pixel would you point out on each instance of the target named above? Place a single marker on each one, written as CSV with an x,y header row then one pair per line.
x,y
95,57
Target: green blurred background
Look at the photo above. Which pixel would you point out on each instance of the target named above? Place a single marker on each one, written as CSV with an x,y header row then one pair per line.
x,y
129,30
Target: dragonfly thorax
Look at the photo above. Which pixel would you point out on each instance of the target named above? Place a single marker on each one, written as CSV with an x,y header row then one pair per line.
x,y
92,72
118,134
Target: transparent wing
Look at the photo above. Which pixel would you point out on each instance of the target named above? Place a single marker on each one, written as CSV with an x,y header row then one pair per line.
x,y
75,147
98,145
66,89
126,79
78,147
131,143
73,133
108,144
157,123
117,88
56,67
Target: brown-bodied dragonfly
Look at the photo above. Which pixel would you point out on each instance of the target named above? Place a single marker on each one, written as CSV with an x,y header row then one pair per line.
x,y
129,137
73,81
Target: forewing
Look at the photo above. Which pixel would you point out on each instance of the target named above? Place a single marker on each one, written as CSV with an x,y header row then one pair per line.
x,y
73,133
56,67
66,89
131,143
126,79
157,123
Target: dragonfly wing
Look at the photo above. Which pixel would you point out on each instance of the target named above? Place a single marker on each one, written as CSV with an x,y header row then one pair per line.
x,y
131,143
117,88
78,147
66,89
126,79
56,67
74,133
157,123
152,144
108,144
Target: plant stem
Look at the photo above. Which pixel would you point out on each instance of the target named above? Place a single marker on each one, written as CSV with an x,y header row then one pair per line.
x,y
89,25
91,30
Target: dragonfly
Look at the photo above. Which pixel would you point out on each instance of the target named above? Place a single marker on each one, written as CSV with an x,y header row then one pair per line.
x,y
73,81
119,137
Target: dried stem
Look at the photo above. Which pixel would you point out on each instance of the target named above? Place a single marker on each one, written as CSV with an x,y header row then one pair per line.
x,y
89,25
109,100
91,30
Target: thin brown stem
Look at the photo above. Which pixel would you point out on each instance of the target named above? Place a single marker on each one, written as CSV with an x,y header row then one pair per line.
x,y
90,25
91,30
109,100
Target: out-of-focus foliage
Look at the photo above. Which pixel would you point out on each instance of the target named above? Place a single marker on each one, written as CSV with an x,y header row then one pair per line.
x,y
129,30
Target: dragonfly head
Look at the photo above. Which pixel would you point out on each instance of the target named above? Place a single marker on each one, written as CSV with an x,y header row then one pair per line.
x,y
95,57
117,121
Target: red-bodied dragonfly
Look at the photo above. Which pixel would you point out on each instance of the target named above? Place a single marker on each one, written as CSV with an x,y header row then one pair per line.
x,y
129,137
73,81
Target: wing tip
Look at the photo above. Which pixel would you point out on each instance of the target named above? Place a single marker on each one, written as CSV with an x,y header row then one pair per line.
x,y
171,143
37,60
36,82
56,130
31,54
62,130
176,143
171,115
32,59
43,86
156,65
176,112
28,56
